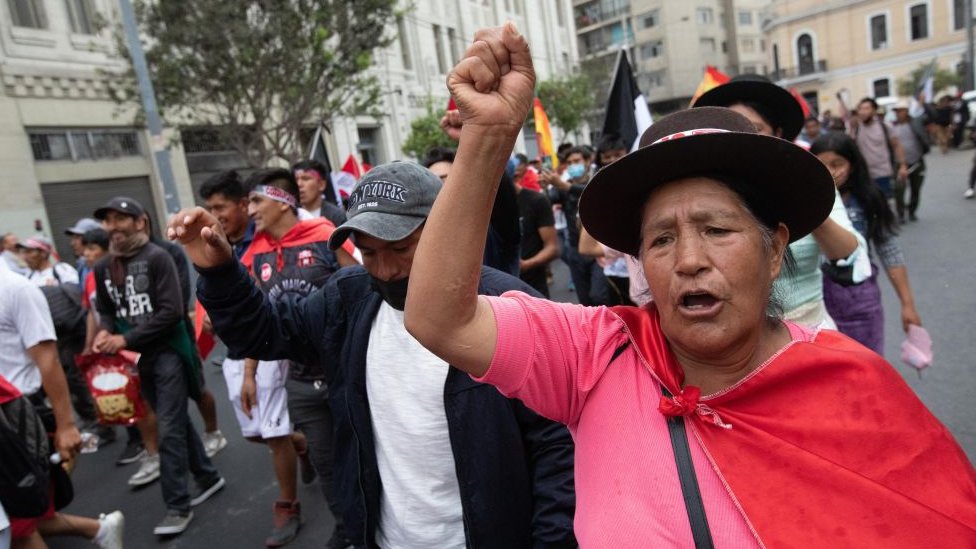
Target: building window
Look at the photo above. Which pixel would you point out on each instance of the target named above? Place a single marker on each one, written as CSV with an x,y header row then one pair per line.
x,y
958,14
650,19
82,15
439,46
881,87
517,6
762,44
879,32
560,13
705,16
655,79
368,146
452,43
804,53
748,45
28,13
652,49
919,21
707,45
745,17
404,44
749,69
77,145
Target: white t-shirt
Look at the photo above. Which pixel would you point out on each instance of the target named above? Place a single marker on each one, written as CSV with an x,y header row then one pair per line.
x,y
420,503
47,277
25,321
4,524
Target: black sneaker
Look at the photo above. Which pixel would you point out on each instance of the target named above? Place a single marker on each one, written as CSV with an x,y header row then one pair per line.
x,y
133,452
205,490
105,434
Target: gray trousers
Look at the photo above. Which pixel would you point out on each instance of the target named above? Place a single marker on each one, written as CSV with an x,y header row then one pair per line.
x,y
164,384
308,407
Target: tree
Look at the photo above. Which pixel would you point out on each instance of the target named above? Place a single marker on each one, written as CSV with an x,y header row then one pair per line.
x,y
943,79
258,72
567,101
426,133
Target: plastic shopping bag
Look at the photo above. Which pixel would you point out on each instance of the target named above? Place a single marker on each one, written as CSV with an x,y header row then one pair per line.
x,y
114,384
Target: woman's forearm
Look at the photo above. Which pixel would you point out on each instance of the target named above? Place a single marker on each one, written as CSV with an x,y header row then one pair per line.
x,y
899,280
588,246
835,241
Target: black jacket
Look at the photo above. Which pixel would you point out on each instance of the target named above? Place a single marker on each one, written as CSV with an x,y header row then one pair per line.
x,y
514,468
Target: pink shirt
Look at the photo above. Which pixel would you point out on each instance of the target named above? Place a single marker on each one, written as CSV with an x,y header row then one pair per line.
x,y
554,357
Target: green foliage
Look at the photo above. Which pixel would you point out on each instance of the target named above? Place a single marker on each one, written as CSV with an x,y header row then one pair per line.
x,y
258,71
426,133
567,101
944,78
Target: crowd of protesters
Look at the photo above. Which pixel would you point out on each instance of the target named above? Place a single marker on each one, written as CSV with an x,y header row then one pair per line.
x,y
398,345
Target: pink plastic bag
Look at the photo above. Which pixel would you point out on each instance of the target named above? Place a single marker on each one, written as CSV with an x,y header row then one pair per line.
x,y
916,350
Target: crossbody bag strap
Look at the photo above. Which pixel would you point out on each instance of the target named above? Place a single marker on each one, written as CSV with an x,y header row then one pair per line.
x,y
689,481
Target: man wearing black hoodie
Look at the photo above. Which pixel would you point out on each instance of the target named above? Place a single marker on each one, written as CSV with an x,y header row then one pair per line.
x,y
141,308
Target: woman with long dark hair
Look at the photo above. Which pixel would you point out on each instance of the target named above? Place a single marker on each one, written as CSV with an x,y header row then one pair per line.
x,y
857,308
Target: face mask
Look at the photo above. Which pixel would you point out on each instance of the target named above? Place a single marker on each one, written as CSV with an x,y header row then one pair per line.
x,y
393,292
576,170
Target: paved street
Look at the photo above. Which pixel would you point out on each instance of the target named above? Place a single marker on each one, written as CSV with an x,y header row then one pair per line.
x,y
940,251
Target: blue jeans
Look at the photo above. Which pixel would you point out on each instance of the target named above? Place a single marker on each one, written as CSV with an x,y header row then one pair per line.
x,y
588,278
164,384
884,183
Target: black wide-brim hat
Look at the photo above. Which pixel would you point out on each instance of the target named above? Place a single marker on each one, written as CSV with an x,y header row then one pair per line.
x,y
779,181
783,109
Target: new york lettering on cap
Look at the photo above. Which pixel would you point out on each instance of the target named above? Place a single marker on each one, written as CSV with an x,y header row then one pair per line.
x,y
367,193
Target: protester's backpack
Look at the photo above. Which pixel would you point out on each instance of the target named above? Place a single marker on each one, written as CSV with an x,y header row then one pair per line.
x,y
64,300
24,469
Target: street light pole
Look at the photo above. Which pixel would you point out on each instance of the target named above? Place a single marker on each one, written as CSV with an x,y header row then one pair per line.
x,y
156,140
970,62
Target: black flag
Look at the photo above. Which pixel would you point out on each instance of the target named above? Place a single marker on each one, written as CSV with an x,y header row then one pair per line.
x,y
627,112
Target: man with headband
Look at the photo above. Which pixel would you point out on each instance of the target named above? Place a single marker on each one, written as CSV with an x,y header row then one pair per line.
x,y
316,193
288,259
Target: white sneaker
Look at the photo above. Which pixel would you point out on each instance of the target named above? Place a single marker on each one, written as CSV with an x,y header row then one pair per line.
x,y
969,193
148,471
110,528
173,523
214,442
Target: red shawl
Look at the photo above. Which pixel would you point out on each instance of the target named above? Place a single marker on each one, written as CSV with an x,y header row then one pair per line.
x,y
826,446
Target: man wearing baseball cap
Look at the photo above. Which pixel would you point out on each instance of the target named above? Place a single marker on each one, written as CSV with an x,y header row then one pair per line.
x,y
141,308
74,233
44,270
414,436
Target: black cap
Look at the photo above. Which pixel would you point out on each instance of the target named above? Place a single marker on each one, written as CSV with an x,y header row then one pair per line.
x,y
780,106
121,204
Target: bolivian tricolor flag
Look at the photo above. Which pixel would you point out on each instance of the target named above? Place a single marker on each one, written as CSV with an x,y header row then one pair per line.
x,y
713,78
543,134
